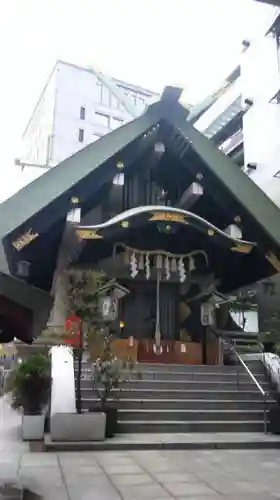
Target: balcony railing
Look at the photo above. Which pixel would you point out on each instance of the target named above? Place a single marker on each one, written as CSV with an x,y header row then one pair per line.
x,y
224,118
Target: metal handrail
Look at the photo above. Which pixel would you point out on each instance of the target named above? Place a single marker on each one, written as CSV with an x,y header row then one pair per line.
x,y
253,378
249,372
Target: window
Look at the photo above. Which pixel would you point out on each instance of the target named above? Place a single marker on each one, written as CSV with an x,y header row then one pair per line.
x,y
102,119
81,135
82,113
116,122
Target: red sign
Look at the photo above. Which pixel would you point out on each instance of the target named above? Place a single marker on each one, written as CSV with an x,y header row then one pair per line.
x,y
72,325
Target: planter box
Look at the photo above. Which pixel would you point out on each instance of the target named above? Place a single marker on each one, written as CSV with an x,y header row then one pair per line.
x,y
78,427
33,427
274,420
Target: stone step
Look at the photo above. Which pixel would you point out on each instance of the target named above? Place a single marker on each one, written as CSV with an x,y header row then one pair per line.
x,y
188,376
190,415
183,385
184,404
160,426
198,377
172,441
177,368
194,368
255,364
181,394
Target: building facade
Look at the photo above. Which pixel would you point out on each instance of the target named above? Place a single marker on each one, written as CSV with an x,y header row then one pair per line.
x,y
77,107
253,141
244,120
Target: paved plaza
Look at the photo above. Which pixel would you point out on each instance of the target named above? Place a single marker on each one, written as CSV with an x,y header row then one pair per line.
x,y
199,475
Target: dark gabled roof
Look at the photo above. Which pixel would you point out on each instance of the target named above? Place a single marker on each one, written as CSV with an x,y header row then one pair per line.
x,y
42,205
62,181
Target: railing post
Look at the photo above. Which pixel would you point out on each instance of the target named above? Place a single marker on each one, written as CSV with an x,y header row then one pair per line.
x,y
265,414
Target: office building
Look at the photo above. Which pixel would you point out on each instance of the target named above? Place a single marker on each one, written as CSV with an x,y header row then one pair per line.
x,y
77,107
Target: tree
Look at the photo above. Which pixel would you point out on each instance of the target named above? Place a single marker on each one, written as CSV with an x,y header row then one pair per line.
x,y
244,301
83,302
271,336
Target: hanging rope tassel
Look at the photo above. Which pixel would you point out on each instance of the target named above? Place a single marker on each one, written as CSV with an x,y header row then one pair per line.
x,y
147,266
167,268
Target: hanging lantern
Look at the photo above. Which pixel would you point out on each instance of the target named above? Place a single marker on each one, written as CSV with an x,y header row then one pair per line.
x,y
23,268
234,231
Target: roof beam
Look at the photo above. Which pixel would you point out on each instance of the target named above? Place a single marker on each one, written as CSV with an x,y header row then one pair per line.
x,y
191,195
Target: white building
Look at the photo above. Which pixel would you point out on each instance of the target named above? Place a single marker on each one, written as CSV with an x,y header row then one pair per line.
x,y
244,119
76,107
260,71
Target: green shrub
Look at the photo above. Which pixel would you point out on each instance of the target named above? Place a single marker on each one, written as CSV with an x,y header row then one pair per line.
x,y
29,383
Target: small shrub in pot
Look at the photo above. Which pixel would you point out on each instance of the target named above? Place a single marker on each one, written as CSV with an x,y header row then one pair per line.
x,y
108,377
29,384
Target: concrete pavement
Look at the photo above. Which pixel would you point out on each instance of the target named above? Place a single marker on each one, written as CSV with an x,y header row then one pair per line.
x,y
161,475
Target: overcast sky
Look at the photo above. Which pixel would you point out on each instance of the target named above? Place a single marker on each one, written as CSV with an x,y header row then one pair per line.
x,y
152,43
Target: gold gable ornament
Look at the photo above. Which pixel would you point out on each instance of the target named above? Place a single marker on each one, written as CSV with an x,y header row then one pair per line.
x,y
242,248
24,240
88,234
168,217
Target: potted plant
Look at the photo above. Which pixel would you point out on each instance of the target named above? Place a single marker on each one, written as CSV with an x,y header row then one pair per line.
x,y
29,384
82,307
82,301
108,377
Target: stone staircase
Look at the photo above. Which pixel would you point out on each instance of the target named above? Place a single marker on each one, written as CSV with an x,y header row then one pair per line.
x,y
244,343
187,399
